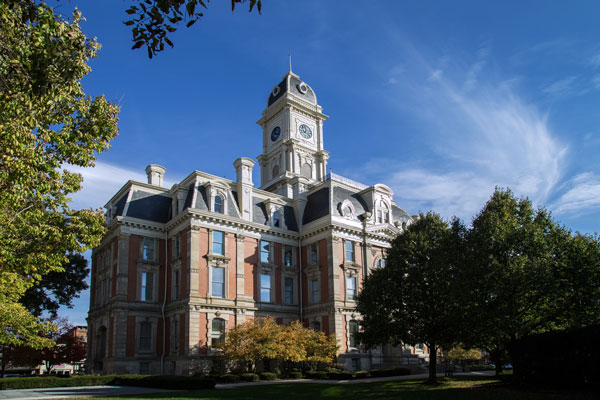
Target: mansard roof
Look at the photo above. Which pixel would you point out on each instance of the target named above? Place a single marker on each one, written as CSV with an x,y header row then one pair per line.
x,y
291,83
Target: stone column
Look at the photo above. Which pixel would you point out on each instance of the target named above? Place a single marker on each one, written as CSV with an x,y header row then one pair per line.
x,y
333,267
122,265
239,264
193,238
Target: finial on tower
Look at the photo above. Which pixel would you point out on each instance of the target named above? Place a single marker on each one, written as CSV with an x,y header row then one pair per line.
x,y
290,57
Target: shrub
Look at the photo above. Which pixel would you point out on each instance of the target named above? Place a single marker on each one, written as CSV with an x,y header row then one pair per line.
x,y
295,375
53,381
228,378
316,374
249,377
165,381
268,376
361,374
339,375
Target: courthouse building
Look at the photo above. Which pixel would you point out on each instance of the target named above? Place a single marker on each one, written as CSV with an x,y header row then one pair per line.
x,y
180,266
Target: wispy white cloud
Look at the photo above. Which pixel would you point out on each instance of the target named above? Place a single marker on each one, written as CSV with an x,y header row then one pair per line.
x,y
582,194
561,86
484,134
594,61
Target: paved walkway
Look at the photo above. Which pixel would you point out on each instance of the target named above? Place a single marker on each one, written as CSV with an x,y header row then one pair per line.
x,y
103,391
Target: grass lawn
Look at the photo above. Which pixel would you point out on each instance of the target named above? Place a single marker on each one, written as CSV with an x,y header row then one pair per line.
x,y
459,387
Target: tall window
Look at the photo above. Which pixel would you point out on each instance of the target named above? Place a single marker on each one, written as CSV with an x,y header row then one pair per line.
x,y
287,256
265,288
352,331
176,246
145,343
316,325
218,204
380,263
148,249
175,335
351,287
217,332
146,288
288,290
314,290
176,284
218,240
314,255
265,251
218,282
276,218
383,213
349,251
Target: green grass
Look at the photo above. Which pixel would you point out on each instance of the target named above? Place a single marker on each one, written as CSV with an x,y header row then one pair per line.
x,y
459,387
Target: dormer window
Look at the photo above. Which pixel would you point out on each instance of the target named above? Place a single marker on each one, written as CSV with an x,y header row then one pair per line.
x,y
218,204
380,263
383,213
276,221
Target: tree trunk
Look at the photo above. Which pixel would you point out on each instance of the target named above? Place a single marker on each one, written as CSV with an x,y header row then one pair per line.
x,y
432,363
497,359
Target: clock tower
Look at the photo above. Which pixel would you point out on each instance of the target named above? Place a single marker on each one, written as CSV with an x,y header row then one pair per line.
x,y
293,157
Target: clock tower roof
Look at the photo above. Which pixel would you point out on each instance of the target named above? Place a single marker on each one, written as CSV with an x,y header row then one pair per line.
x,y
291,83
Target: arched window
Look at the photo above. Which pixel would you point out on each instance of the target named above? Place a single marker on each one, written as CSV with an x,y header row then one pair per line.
x,y
352,331
380,263
218,204
383,213
217,333
276,218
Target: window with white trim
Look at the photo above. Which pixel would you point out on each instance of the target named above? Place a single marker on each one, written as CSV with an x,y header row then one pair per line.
x,y
349,251
265,251
219,204
314,290
145,337
174,334
218,243
314,253
148,253
176,246
176,284
383,213
217,331
288,256
288,290
218,282
265,288
276,219
352,331
380,263
146,286
351,288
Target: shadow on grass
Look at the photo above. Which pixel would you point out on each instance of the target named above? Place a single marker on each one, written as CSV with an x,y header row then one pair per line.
x,y
458,387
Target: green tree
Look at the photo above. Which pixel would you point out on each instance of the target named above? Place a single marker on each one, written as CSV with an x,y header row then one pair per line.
x,y
153,20
414,299
262,339
47,123
531,275
57,288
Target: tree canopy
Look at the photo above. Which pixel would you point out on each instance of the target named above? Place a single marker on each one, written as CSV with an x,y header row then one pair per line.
x,y
263,339
414,299
47,123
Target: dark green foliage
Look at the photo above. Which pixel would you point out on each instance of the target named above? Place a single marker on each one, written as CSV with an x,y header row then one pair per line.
x,y
560,358
415,298
249,377
53,381
153,381
360,374
228,378
268,376
294,375
339,375
378,373
153,21
57,288
316,374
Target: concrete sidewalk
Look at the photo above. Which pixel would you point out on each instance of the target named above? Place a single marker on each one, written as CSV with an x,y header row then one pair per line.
x,y
103,391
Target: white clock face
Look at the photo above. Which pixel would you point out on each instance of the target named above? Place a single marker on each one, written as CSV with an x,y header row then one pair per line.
x,y
305,131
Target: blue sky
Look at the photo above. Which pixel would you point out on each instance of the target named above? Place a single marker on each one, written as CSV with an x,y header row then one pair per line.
x,y
442,101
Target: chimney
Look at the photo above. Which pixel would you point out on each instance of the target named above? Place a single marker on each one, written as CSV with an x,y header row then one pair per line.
x,y
155,174
243,168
